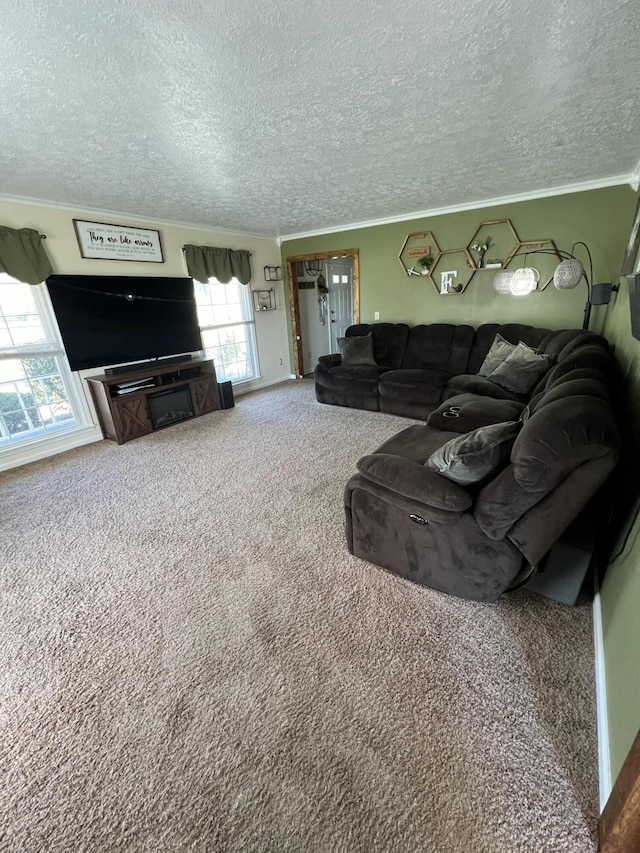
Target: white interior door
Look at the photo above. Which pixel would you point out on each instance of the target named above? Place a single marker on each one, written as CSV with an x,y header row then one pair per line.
x,y
314,325
339,277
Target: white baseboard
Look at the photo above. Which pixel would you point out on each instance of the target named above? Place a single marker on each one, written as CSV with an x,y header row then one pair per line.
x,y
245,387
604,758
22,455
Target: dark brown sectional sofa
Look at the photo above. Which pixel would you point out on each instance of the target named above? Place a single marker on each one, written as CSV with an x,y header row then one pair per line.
x,y
478,539
418,367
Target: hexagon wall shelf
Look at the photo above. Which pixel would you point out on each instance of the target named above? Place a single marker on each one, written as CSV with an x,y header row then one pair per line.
x,y
502,246
419,254
452,272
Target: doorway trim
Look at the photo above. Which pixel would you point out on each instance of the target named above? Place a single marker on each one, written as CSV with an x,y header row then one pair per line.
x,y
294,302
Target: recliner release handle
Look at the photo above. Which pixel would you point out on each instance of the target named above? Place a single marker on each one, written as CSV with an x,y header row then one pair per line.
x,y
418,519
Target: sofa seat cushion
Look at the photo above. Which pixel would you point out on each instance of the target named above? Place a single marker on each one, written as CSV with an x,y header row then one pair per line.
x,y
468,383
421,386
357,377
471,411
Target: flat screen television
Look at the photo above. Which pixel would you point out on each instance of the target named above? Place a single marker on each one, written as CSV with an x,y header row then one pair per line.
x,y
107,320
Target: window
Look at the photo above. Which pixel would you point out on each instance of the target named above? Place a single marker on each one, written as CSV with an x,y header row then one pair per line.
x,y
39,396
228,329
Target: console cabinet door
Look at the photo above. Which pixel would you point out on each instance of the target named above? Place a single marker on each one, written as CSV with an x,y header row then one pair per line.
x,y
203,394
134,419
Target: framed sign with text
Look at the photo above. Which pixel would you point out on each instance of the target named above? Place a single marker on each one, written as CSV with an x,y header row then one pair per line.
x,y
118,242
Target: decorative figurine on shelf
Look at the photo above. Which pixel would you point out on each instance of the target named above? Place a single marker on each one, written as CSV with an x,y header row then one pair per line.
x,y
425,262
446,281
447,284
481,249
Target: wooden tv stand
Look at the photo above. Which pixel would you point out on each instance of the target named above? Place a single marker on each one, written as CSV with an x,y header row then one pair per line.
x,y
127,402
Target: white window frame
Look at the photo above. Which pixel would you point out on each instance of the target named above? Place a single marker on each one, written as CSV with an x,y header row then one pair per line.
x,y
248,322
52,347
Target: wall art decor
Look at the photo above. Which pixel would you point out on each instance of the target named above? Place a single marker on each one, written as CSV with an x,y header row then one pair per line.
x,y
419,253
102,240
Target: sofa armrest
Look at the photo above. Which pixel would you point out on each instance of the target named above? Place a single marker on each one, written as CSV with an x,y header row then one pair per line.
x,y
415,482
472,411
328,361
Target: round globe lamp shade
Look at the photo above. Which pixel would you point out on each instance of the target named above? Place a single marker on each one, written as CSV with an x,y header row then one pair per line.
x,y
524,281
568,274
502,282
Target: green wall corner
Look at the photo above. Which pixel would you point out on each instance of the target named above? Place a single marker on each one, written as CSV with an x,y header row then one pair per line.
x,y
601,218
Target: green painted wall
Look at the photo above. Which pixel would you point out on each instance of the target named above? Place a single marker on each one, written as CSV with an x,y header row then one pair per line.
x,y
620,595
598,217
601,218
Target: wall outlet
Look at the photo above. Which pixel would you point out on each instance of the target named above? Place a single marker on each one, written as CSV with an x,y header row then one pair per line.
x,y
376,315
280,361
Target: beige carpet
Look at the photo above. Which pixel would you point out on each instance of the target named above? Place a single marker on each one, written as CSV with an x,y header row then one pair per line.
x,y
191,661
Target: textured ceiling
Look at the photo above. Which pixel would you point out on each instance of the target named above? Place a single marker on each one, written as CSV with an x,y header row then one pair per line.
x,y
286,116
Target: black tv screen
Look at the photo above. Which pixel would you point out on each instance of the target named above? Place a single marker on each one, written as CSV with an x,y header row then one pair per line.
x,y
108,320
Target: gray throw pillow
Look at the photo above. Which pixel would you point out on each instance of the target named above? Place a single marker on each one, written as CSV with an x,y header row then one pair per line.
x,y
520,371
473,457
500,350
357,349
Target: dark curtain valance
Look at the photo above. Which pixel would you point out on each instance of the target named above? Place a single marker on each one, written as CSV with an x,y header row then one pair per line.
x,y
22,255
205,262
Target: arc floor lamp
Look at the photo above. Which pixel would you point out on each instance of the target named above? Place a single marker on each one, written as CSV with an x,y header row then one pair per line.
x,y
567,275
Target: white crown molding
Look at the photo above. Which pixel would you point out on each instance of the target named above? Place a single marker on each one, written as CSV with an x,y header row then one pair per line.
x,y
118,214
602,183
633,180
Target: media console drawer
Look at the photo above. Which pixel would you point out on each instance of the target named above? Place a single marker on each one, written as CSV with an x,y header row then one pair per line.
x,y
150,397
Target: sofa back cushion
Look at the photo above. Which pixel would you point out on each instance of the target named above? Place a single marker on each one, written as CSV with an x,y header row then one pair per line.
x,y
579,382
512,332
521,370
499,351
584,350
389,341
561,344
554,442
439,345
357,349
473,457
